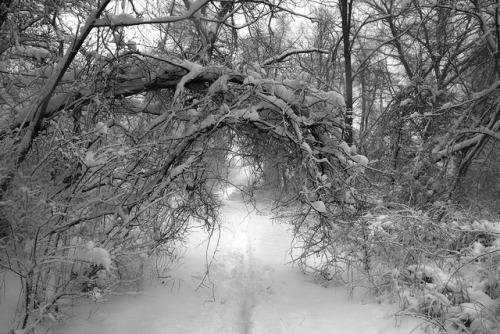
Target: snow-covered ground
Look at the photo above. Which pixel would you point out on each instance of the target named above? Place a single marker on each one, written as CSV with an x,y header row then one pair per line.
x,y
250,289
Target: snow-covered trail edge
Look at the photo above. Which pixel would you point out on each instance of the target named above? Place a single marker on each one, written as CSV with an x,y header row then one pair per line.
x,y
250,289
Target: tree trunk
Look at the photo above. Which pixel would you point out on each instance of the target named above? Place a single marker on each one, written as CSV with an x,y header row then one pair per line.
x,y
346,10
362,126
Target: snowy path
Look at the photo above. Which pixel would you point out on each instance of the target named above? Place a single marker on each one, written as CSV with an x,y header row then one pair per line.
x,y
253,291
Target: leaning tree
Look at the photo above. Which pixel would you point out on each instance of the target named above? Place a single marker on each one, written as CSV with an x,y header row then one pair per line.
x,y
113,143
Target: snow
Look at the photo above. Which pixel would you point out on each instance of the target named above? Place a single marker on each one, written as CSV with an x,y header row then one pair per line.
x,y
91,162
9,299
405,102
124,19
208,122
100,256
250,289
345,147
38,53
319,206
194,71
360,159
251,114
101,128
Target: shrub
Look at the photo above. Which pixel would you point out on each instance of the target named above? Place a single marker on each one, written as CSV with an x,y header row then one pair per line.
x,y
446,271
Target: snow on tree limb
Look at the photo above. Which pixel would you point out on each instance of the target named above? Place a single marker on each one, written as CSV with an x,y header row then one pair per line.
x,y
283,55
165,76
482,131
38,108
124,19
114,21
194,71
460,146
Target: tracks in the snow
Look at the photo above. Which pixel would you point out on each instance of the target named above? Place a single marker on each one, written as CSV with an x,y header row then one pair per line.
x,y
240,282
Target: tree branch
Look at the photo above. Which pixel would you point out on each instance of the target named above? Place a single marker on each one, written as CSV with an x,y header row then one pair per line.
x,y
282,56
126,20
40,106
361,66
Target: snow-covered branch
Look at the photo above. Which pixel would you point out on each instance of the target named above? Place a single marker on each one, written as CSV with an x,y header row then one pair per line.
x,y
482,131
123,20
37,109
460,146
194,71
166,76
288,53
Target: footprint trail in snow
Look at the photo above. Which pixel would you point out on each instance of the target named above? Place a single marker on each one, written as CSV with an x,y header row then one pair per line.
x,y
249,290
240,282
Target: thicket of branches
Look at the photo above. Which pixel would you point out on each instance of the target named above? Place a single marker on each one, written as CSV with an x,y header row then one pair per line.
x,y
376,121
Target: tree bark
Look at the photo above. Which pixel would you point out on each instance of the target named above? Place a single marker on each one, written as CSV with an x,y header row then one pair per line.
x,y
346,11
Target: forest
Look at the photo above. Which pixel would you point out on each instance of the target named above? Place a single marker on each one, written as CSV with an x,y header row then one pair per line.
x,y
372,126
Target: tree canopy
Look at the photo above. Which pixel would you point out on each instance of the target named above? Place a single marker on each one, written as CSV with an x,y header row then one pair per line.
x,y
121,121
